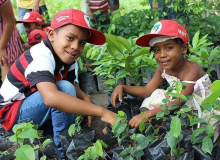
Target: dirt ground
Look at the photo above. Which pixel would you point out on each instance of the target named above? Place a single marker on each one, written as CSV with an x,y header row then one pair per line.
x,y
101,100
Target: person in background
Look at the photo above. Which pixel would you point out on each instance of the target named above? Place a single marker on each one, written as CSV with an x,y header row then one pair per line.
x,y
32,20
99,20
36,36
10,40
113,5
39,87
25,6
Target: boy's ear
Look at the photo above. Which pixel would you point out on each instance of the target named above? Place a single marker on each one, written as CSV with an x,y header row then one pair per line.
x,y
50,34
185,48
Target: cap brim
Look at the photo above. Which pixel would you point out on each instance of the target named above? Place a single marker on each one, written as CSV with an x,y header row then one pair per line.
x,y
97,37
28,21
144,40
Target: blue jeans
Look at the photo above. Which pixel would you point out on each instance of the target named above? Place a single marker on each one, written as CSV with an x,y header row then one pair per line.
x,y
34,109
21,13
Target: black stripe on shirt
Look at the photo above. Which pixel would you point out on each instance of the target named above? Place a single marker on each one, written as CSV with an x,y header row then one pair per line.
x,y
40,76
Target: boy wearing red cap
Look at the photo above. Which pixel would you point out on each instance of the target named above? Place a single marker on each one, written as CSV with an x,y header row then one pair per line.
x,y
169,42
36,36
32,20
38,88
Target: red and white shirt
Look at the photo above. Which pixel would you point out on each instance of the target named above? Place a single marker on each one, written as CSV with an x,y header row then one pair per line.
x,y
98,5
38,64
14,46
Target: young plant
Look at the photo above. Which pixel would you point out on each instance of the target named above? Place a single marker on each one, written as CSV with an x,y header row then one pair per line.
x,y
123,60
136,143
212,105
205,54
94,152
28,131
76,127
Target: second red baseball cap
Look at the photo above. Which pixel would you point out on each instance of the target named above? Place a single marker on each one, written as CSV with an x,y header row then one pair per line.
x,y
36,36
167,28
32,16
78,18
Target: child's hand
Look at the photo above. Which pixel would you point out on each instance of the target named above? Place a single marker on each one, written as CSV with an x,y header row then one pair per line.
x,y
136,120
3,57
108,117
116,93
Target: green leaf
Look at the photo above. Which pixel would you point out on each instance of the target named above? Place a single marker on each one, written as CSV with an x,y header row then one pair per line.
x,y
216,117
25,152
215,86
47,142
207,145
198,140
129,157
116,124
142,142
172,107
178,86
197,132
160,114
113,42
197,120
175,126
111,51
142,125
171,141
207,107
99,149
210,130
43,157
125,152
29,133
72,130
120,128
195,39
138,153
124,42
212,97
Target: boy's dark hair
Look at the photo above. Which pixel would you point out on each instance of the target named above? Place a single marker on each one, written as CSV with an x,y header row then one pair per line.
x,y
178,41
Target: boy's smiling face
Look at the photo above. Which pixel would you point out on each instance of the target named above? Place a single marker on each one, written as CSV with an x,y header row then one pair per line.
x,y
68,42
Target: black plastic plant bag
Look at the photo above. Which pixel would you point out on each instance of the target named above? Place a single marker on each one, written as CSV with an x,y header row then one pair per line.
x,y
79,143
187,156
200,155
157,150
88,83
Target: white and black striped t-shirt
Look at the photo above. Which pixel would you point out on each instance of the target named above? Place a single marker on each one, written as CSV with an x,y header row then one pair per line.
x,y
38,64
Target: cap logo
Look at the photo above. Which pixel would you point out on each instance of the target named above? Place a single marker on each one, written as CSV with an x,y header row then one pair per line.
x,y
181,33
26,16
61,18
39,19
156,28
87,20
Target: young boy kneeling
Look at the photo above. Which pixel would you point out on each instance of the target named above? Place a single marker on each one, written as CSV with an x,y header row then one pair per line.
x,y
36,87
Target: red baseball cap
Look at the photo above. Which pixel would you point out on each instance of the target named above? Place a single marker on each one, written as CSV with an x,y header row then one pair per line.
x,y
32,16
167,28
35,36
78,18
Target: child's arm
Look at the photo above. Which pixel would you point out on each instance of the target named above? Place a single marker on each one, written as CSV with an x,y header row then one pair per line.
x,y
69,104
139,91
9,20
